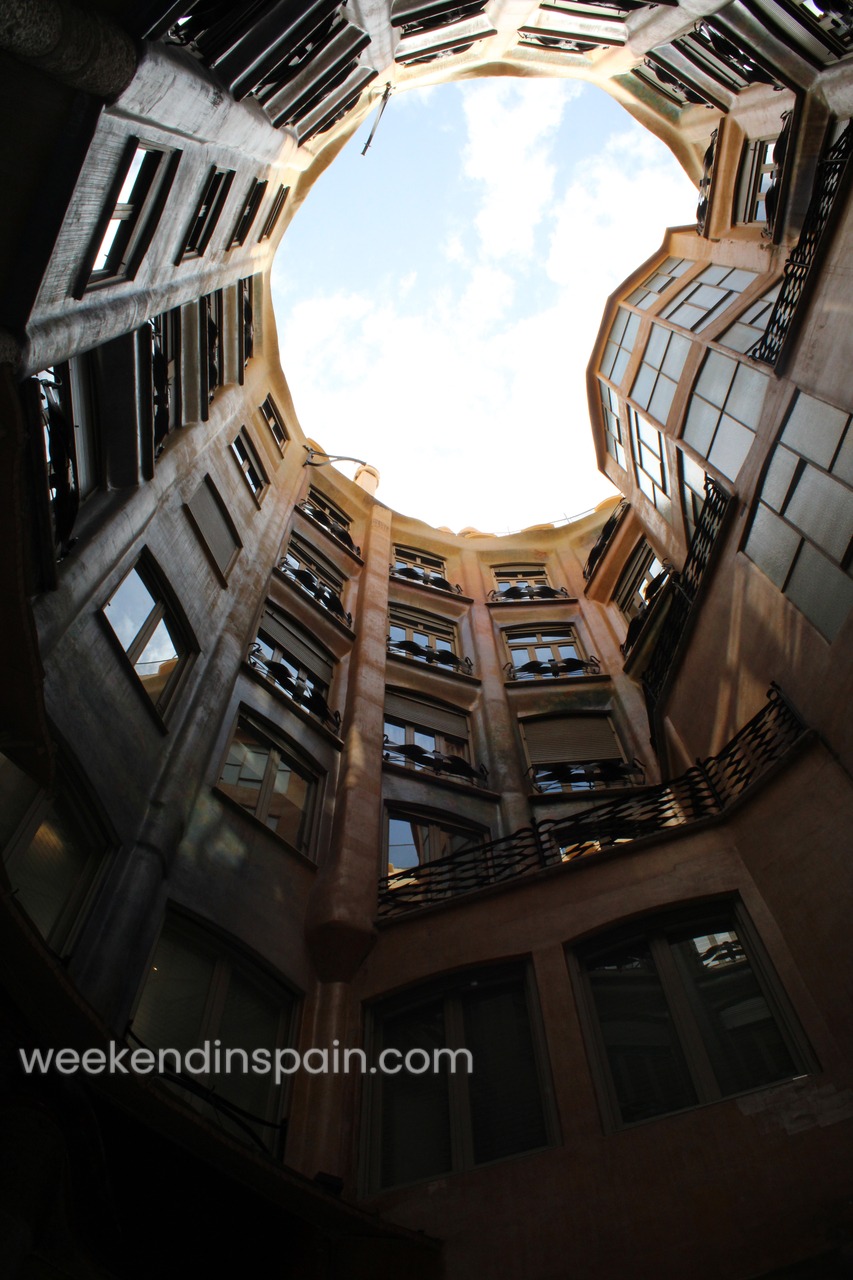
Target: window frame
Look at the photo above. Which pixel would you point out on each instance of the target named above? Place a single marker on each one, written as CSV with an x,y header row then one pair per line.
x,y
634,576
165,609
442,635
652,930
278,202
228,959
278,748
644,455
580,778
568,636
756,161
249,464
137,217
248,212
272,416
208,210
450,993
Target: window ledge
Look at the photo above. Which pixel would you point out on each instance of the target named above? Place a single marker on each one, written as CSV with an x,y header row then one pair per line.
x,y
440,780
549,602
300,594
558,682
433,669
435,594
331,539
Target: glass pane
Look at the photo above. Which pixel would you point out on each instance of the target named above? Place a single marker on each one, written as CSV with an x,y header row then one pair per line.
x,y
129,608
157,661
506,1106
395,732
741,1036
647,1065
172,1008
408,843
288,805
415,1125
45,877
250,1020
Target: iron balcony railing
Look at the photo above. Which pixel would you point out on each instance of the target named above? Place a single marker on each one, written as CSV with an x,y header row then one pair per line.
x,y
604,538
304,695
318,590
587,775
831,171
417,757
704,791
686,589
426,653
527,591
705,185
325,521
554,667
426,577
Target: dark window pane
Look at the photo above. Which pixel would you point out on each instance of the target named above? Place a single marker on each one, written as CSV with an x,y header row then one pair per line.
x,y
415,1137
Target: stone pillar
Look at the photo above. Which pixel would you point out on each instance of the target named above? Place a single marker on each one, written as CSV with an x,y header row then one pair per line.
x,y
339,926
82,49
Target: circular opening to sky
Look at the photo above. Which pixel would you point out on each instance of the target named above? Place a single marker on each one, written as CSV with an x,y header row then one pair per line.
x,y
437,299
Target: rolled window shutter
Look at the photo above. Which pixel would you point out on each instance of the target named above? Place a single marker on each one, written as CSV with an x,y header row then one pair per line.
x,y
298,645
213,525
427,714
569,738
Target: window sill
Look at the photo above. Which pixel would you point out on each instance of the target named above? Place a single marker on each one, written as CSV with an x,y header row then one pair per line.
x,y
561,682
433,668
545,602
285,701
442,780
331,540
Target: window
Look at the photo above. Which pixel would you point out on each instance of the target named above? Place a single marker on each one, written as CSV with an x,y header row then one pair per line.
x,y
801,535
649,453
657,378
211,310
269,781
315,575
165,376
275,422
424,638
647,294
428,737
708,296
550,651
295,662
692,491
614,439
575,753
756,177
248,213
215,527
424,1125
274,213
684,1011
640,574
620,344
418,566
210,205
197,991
249,463
724,412
135,203
750,326
329,516
65,408
54,848
416,838
146,622
524,582
245,321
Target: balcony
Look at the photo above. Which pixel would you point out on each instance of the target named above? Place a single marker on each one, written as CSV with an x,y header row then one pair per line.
x,y
327,522
317,590
527,591
300,691
416,757
604,539
704,792
586,775
426,653
426,578
553,668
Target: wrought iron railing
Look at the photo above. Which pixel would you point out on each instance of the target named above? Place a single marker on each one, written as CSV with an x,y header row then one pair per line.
x,y
705,791
304,695
318,590
705,185
325,521
426,577
798,267
417,757
553,667
686,588
587,775
602,542
527,591
426,653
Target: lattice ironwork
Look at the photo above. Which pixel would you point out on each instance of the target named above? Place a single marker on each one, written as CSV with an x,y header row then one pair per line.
x,y
686,588
603,540
798,267
704,791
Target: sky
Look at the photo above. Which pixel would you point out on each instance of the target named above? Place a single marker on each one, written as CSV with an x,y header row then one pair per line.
x,y
437,299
